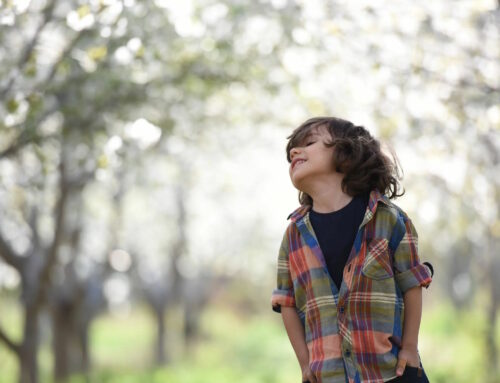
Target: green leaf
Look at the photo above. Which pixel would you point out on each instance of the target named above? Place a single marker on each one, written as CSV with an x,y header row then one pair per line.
x,y
12,105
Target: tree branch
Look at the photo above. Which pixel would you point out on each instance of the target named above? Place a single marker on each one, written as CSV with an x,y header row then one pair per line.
x,y
33,224
63,55
60,214
68,50
48,12
8,254
28,134
14,347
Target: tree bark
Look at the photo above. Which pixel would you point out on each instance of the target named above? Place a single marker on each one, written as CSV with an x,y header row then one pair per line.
x,y
84,344
160,356
28,360
61,332
492,313
70,323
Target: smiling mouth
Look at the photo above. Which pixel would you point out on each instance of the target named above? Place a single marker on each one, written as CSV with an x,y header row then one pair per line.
x,y
297,162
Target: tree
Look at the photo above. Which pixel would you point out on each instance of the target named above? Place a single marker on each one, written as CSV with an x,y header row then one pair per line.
x,y
69,84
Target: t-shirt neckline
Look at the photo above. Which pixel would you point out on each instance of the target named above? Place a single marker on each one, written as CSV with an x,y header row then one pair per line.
x,y
351,203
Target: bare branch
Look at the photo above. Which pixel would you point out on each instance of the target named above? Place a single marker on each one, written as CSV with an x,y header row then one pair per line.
x,y
14,347
48,12
21,141
33,224
8,254
28,134
63,55
68,50
60,214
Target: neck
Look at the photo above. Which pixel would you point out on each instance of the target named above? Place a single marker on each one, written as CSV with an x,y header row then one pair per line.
x,y
327,195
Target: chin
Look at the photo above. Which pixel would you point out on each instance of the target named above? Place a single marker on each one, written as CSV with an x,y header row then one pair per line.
x,y
296,182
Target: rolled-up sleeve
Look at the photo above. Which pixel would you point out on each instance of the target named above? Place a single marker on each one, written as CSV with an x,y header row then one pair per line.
x,y
409,271
283,294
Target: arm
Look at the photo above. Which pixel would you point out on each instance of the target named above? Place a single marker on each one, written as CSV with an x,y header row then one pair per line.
x,y
296,334
408,355
283,301
411,275
412,315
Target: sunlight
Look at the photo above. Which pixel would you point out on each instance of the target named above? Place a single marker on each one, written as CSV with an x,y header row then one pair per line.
x,y
143,132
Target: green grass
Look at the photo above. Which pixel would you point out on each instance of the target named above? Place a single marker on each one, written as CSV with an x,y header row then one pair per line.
x,y
118,341
238,347
452,345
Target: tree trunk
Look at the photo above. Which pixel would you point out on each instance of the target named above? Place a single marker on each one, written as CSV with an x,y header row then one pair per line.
x,y
492,351
494,290
84,344
161,358
28,361
61,332
70,340
190,323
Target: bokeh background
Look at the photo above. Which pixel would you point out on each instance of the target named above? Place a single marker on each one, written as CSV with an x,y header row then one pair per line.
x,y
144,187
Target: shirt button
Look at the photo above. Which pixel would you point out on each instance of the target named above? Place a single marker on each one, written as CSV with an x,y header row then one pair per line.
x,y
348,353
341,309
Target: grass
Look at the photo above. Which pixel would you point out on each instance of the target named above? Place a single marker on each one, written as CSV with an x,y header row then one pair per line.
x,y
452,344
235,346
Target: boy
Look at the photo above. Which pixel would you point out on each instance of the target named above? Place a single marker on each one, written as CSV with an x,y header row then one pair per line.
x,y
349,277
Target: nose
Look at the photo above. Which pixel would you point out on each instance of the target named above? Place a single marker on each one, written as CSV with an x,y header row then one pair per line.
x,y
294,152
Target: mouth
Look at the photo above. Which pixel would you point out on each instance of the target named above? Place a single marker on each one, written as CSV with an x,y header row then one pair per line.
x,y
296,162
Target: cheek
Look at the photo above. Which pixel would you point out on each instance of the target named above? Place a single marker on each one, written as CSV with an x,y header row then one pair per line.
x,y
331,159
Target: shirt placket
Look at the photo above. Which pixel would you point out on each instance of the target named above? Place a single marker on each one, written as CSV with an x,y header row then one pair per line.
x,y
307,232
343,316
340,295
343,321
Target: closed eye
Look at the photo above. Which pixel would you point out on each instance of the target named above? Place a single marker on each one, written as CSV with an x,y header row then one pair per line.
x,y
310,143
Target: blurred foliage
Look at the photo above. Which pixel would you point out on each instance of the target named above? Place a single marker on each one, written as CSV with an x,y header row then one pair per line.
x,y
163,123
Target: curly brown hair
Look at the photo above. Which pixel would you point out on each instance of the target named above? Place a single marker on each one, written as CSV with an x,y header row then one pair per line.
x,y
357,155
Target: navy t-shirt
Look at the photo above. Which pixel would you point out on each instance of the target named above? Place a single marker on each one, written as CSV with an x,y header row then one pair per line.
x,y
336,232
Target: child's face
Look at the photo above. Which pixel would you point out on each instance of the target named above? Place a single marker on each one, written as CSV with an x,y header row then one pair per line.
x,y
312,159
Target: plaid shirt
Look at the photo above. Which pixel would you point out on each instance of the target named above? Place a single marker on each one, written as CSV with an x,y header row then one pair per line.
x,y
353,335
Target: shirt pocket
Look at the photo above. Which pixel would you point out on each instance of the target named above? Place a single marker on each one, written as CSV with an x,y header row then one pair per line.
x,y
377,264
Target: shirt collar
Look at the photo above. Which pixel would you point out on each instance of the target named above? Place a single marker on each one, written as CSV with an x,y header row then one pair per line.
x,y
375,197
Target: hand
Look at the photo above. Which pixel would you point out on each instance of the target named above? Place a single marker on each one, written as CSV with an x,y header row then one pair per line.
x,y
407,357
308,375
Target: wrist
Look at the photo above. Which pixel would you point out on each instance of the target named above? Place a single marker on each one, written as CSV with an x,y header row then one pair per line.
x,y
304,363
410,346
